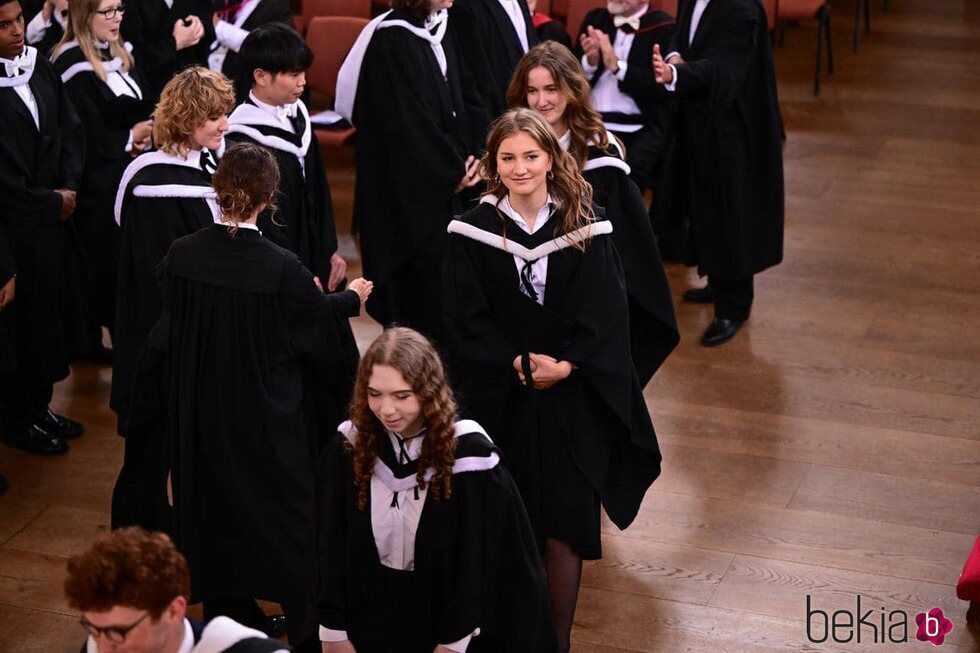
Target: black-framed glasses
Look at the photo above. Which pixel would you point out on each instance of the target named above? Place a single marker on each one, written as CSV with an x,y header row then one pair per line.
x,y
111,12
115,634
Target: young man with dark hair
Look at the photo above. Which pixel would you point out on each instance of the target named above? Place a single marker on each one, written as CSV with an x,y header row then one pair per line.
x,y
42,149
131,587
273,60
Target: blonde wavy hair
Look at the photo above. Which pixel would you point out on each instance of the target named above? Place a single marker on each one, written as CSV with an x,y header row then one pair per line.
x,y
584,123
571,193
416,359
247,177
80,16
194,96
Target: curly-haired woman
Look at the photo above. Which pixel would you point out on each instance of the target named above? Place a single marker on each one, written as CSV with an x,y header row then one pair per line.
x,y
162,196
549,80
240,317
424,543
537,316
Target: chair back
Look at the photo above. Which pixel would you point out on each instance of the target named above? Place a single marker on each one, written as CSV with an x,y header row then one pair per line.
x,y
772,12
313,8
576,14
330,38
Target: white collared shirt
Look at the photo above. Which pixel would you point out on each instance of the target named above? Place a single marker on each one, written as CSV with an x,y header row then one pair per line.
x,y
273,111
24,92
606,96
539,268
516,16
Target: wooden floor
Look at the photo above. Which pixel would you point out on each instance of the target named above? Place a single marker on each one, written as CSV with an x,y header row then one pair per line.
x,y
832,449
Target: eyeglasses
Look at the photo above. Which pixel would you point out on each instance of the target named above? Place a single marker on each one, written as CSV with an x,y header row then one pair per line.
x,y
111,12
115,634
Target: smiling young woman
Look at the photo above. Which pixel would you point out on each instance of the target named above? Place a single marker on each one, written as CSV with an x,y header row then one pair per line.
x,y
537,312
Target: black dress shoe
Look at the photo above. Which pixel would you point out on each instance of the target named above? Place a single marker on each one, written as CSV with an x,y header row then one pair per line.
x,y
720,330
704,295
274,626
58,424
33,438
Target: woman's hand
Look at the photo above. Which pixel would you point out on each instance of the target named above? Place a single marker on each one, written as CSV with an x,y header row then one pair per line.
x,y
547,371
471,173
338,647
362,287
338,268
520,369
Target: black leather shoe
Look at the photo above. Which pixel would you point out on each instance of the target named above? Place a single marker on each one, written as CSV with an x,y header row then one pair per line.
x,y
58,424
704,295
33,438
720,330
275,625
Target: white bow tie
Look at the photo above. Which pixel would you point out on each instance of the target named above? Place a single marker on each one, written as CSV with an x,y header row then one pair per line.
x,y
19,65
633,21
287,110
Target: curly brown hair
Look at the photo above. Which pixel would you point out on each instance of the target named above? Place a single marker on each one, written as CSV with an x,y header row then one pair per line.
x,y
416,359
584,122
572,194
128,567
247,177
194,96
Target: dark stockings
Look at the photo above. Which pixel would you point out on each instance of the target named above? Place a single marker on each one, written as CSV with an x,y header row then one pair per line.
x,y
564,568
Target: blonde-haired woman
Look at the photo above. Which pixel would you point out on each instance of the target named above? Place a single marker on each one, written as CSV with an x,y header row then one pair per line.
x,y
538,320
241,317
424,545
99,73
162,196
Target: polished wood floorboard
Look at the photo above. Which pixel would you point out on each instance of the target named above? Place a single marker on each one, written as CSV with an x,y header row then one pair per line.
x,y
832,449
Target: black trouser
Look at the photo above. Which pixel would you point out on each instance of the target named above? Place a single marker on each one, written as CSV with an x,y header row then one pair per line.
x,y
642,154
733,297
21,395
248,613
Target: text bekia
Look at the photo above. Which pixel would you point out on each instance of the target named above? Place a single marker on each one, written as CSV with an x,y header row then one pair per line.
x,y
842,626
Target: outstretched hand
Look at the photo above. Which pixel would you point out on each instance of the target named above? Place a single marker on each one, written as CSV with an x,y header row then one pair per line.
x,y
662,72
362,287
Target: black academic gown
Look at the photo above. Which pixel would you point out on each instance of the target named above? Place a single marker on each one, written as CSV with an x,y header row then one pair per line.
x,y
161,198
492,47
239,316
149,26
108,119
598,412
653,327
475,560
415,130
730,132
267,11
43,328
304,224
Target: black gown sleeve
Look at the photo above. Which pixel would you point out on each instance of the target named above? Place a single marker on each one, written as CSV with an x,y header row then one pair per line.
x,y
326,228
728,55
72,163
315,319
332,498
468,316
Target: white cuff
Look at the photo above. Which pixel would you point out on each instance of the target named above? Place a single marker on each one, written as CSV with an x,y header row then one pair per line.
x,y
671,54
621,73
673,82
330,635
129,143
588,68
34,31
460,645
230,36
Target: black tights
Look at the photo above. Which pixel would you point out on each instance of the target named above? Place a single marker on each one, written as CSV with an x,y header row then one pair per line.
x,y
564,569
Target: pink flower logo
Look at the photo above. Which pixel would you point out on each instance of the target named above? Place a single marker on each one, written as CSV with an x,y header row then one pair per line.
x,y
933,626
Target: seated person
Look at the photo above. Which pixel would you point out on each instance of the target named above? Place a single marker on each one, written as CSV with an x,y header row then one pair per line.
x,y
131,587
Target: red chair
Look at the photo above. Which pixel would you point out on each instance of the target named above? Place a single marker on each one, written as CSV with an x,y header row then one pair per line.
x,y
331,38
796,10
576,14
670,6
313,8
